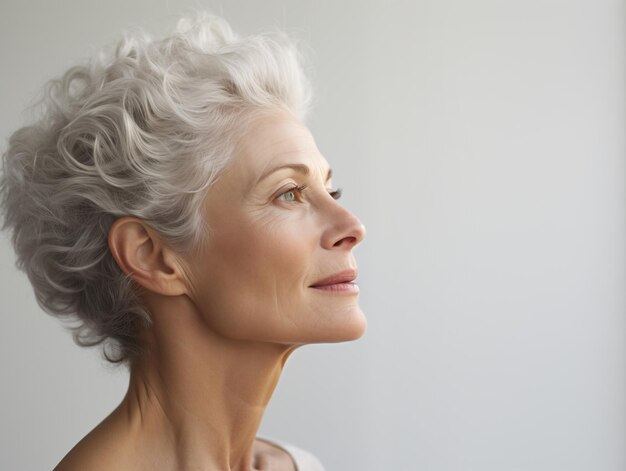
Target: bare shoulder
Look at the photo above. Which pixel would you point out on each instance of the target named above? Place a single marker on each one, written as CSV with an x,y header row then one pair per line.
x,y
101,449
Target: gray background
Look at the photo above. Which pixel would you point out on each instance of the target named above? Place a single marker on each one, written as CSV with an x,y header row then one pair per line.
x,y
482,144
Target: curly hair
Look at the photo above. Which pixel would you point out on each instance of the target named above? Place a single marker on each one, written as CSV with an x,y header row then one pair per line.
x,y
142,129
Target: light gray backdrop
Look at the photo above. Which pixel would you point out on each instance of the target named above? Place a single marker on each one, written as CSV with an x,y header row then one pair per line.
x,y
482,144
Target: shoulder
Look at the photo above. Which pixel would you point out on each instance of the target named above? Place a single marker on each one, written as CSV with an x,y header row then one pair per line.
x,y
303,460
89,454
100,450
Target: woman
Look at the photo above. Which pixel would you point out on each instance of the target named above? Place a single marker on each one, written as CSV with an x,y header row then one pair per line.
x,y
171,202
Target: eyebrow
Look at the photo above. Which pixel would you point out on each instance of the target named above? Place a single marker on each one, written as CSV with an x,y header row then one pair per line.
x,y
301,168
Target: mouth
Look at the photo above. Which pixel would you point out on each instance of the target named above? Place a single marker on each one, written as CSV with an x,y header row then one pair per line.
x,y
341,282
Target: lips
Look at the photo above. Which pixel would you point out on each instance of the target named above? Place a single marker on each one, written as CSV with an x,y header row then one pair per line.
x,y
346,276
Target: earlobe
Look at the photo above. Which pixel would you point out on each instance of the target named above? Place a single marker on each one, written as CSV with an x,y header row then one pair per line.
x,y
139,252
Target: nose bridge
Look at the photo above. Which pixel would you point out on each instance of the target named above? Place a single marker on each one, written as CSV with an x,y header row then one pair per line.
x,y
343,227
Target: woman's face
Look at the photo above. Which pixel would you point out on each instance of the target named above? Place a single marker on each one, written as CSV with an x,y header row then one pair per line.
x,y
278,238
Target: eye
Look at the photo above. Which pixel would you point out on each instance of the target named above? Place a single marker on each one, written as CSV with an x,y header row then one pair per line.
x,y
292,195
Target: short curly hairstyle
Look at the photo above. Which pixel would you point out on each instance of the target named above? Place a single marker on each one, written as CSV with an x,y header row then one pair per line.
x,y
142,129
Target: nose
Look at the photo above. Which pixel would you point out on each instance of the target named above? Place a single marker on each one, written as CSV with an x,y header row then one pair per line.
x,y
344,230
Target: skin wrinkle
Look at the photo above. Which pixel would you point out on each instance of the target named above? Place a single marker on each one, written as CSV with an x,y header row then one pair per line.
x,y
272,226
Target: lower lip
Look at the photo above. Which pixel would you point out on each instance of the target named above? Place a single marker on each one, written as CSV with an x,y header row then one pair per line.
x,y
339,288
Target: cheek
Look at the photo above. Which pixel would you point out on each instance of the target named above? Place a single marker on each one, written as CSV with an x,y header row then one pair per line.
x,y
257,275
274,249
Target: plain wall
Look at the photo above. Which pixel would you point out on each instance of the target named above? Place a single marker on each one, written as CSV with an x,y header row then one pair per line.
x,y
482,144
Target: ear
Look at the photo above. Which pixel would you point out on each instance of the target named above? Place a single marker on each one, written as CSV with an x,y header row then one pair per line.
x,y
139,251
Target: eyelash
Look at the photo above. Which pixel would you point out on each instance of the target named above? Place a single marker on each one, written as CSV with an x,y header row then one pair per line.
x,y
335,194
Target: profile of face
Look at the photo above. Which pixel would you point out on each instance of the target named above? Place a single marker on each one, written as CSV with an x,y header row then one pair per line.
x,y
278,265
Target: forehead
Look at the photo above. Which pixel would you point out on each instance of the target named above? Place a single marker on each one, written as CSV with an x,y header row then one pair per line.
x,y
275,139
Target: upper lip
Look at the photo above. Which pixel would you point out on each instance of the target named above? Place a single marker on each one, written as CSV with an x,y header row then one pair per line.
x,y
345,276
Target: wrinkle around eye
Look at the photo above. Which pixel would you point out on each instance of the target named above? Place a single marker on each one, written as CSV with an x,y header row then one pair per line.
x,y
271,218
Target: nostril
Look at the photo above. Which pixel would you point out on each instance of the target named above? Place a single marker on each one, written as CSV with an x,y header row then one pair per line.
x,y
350,240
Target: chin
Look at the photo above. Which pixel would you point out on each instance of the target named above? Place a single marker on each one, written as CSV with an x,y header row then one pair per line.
x,y
351,327
359,329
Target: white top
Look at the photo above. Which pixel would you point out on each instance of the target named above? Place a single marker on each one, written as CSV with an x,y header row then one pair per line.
x,y
304,460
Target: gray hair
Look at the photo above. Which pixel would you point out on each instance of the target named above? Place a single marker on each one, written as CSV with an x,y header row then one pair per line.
x,y
142,130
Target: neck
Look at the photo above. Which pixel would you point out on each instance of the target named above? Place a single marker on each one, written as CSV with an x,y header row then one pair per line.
x,y
196,398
